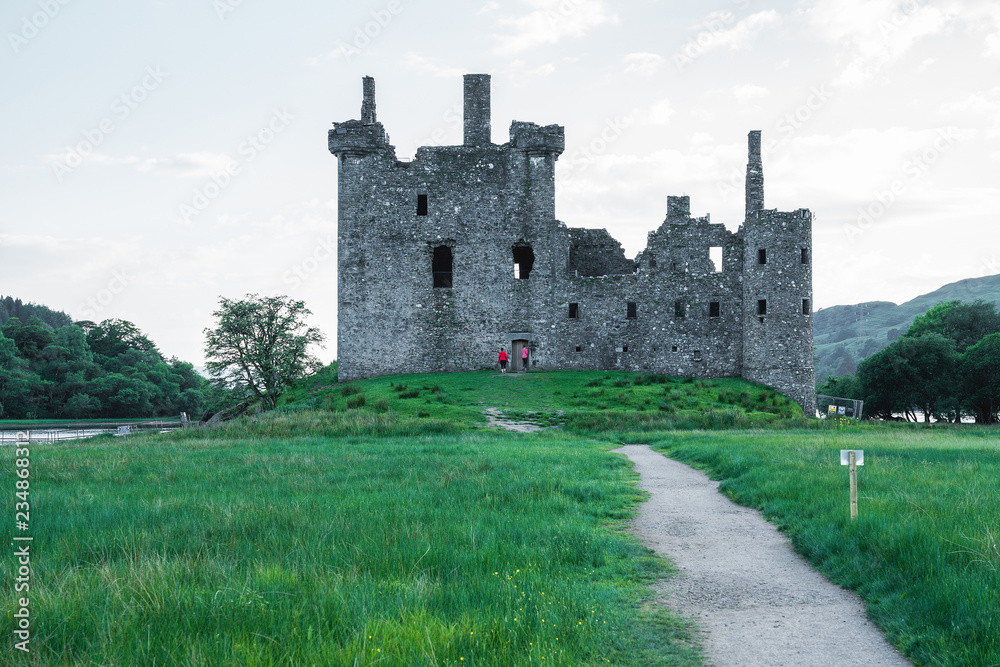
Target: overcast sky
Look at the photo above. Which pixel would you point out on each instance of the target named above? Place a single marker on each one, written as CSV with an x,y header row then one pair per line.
x,y
159,154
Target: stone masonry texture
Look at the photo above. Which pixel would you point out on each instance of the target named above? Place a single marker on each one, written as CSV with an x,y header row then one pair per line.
x,y
445,259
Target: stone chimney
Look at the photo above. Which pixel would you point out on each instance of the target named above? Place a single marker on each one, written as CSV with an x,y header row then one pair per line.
x,y
477,110
755,175
368,103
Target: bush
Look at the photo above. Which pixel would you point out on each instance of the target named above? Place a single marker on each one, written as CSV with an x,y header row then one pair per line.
x,y
356,402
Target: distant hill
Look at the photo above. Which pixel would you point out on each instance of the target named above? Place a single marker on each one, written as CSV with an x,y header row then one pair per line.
x,y
844,335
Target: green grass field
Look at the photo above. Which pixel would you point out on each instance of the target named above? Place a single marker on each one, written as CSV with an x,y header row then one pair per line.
x,y
379,522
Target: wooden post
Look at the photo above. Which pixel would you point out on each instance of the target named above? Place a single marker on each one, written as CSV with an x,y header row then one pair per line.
x,y
854,485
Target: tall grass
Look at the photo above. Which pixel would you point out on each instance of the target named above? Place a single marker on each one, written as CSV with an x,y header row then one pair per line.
x,y
925,550
255,545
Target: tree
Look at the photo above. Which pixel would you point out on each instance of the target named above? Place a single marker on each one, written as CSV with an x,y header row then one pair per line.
x,y
911,374
980,370
261,345
113,337
964,323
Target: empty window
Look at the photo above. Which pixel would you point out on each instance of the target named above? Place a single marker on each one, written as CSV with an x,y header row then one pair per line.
x,y
574,312
713,309
762,306
441,266
524,259
679,310
673,348
697,355
805,306
630,310
624,348
805,255
421,204
579,348
762,255
652,262
715,254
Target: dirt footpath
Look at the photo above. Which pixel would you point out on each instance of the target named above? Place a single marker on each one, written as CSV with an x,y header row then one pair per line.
x,y
756,601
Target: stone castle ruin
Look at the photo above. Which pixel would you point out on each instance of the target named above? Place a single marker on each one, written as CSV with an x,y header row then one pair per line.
x,y
447,258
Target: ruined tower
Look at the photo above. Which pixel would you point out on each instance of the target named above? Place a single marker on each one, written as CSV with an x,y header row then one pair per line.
x,y
447,258
777,291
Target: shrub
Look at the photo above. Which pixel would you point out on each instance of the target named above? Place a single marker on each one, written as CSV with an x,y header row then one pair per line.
x,y
349,390
356,402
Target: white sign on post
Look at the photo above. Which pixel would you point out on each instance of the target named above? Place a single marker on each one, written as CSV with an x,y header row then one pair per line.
x,y
845,457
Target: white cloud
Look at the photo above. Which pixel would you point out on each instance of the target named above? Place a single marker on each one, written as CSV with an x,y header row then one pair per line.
x,y
202,163
643,63
551,21
716,33
745,94
875,33
426,66
660,112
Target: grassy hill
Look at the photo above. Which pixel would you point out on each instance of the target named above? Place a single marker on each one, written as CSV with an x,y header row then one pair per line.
x,y
844,335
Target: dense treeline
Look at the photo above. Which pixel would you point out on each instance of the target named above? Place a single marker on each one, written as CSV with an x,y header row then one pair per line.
x,y
87,370
946,366
11,307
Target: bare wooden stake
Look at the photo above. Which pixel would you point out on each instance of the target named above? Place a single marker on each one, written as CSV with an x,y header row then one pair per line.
x,y
854,485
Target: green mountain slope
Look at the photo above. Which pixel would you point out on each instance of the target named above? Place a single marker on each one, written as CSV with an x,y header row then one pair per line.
x,y
844,335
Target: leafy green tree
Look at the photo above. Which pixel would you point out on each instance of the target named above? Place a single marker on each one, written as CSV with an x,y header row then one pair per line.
x,y
30,338
964,323
913,373
113,337
842,386
260,344
980,370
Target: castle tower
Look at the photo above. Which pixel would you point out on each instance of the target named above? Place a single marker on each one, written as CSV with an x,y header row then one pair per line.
x,y
477,110
777,292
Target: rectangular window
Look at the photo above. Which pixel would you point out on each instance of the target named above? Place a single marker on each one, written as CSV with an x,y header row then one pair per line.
x,y
679,310
421,204
762,306
697,355
630,310
579,348
762,255
715,255
673,348
574,312
713,309
624,348
805,255
805,306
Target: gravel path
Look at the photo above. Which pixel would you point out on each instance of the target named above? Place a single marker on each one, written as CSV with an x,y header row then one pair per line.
x,y
756,602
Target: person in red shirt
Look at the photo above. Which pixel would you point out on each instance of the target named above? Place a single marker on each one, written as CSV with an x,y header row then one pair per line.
x,y
503,360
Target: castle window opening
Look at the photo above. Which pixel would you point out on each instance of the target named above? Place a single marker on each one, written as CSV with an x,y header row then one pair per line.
x,y
679,310
524,259
805,255
579,348
673,348
713,309
574,312
715,254
762,306
624,348
630,310
441,266
762,255
652,262
421,204
697,355
805,306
